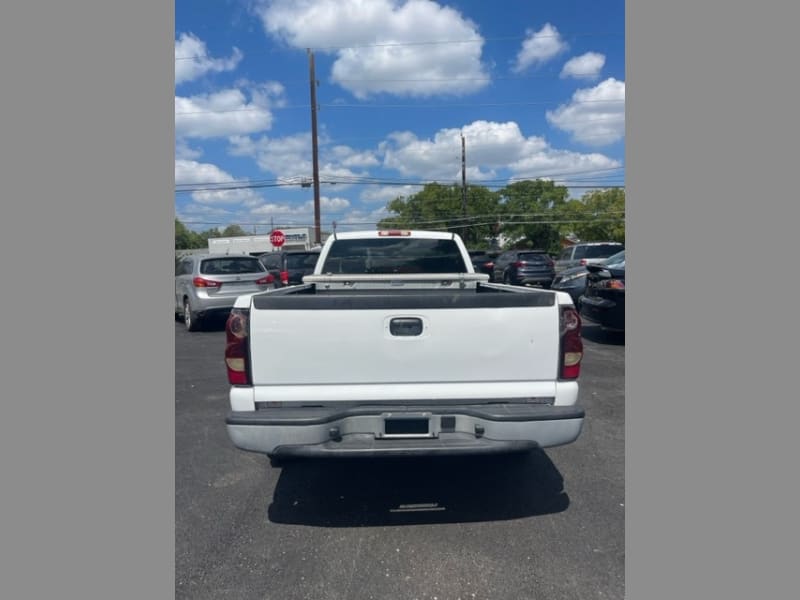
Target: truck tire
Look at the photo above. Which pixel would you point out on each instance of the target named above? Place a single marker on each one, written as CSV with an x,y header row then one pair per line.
x,y
190,319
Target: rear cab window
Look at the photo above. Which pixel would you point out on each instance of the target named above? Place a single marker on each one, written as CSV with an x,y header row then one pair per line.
x,y
393,255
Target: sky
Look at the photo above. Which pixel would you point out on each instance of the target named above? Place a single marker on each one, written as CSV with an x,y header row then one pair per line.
x,y
535,88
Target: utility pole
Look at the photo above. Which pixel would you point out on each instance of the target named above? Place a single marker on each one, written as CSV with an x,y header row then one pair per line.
x,y
314,150
464,188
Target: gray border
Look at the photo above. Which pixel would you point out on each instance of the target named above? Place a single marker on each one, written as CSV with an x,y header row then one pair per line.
x,y
711,109
87,442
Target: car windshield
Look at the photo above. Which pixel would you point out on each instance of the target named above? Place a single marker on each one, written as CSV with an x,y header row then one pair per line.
x,y
596,251
302,261
231,265
394,255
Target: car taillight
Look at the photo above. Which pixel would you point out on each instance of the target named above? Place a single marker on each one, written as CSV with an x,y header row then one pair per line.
x,y
571,343
583,262
236,336
266,280
393,232
285,277
201,282
488,265
520,263
611,284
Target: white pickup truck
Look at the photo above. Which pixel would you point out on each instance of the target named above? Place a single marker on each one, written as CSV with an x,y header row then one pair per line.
x,y
394,346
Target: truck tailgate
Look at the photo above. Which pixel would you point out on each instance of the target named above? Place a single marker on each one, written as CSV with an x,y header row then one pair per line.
x,y
319,347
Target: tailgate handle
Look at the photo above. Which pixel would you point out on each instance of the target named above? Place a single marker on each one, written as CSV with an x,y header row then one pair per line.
x,y
405,326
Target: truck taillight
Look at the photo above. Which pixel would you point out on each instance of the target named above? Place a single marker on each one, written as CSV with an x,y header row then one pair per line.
x,y
266,280
285,277
393,232
571,343
583,262
201,282
236,336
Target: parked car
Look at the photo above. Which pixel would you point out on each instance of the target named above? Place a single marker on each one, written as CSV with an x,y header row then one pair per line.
x,y
604,300
573,281
289,266
208,284
586,253
481,261
524,267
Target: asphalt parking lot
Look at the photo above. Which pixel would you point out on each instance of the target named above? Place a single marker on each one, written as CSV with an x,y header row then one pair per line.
x,y
547,524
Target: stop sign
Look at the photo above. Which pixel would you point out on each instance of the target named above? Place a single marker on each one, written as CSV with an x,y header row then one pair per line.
x,y
276,238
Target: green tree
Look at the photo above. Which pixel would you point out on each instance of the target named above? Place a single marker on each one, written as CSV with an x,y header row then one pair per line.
x,y
182,236
185,238
440,207
233,231
597,216
527,209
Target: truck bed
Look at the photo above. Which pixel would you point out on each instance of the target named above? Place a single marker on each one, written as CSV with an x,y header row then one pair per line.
x,y
486,339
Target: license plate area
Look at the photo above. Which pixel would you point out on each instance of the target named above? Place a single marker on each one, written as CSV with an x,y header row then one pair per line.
x,y
406,425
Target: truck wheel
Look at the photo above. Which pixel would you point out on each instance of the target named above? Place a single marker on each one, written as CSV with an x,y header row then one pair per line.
x,y
189,319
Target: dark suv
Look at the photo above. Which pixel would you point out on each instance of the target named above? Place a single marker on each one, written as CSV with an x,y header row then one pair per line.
x,y
524,267
289,266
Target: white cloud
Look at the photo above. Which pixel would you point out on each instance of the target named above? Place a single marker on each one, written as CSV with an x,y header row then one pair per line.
x,y
221,114
561,165
273,209
330,204
595,116
378,44
289,158
192,60
490,147
385,194
361,219
183,151
298,215
490,144
190,172
349,157
586,66
539,47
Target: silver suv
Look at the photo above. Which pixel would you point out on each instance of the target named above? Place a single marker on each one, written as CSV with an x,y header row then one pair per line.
x,y
208,284
586,253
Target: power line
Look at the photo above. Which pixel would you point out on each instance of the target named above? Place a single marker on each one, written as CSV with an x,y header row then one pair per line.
x,y
301,179
350,224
